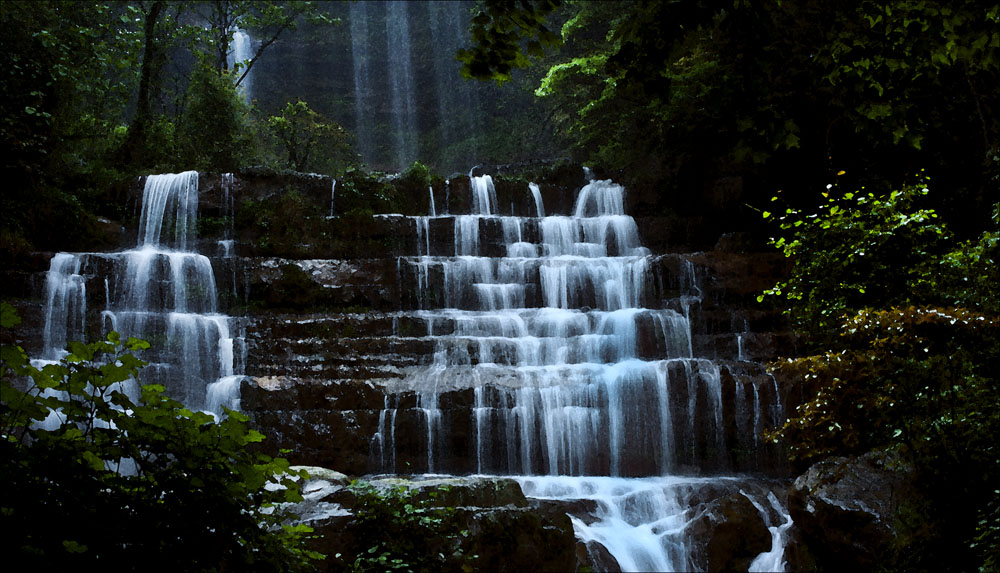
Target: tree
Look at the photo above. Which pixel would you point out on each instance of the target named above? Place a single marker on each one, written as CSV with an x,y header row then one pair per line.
x,y
101,470
71,69
269,19
310,140
497,33
783,94
902,327
213,132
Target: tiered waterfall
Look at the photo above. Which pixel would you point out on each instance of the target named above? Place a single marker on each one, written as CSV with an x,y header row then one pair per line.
x,y
161,291
580,365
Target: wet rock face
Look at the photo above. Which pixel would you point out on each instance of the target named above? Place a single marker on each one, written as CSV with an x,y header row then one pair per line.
x,y
734,531
844,509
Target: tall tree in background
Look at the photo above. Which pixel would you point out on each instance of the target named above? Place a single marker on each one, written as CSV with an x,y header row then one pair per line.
x,y
785,94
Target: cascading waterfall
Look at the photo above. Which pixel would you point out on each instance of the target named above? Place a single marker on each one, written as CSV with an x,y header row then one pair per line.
x,y
404,100
576,369
161,292
333,197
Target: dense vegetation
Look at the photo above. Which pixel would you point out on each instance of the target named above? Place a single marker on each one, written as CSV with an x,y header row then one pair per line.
x,y
100,470
901,330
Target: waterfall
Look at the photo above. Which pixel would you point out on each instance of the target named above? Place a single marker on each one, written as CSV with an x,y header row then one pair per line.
x,y
241,52
364,121
547,327
404,115
536,193
445,42
333,196
645,523
595,376
159,291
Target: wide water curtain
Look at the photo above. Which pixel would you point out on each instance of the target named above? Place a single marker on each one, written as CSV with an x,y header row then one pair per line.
x,y
579,363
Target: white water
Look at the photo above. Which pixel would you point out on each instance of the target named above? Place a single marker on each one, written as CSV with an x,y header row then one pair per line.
x,y
646,523
158,291
574,366
240,53
536,193
404,113
576,370
333,197
364,93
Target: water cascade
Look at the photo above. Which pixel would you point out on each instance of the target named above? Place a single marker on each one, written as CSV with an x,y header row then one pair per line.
x,y
160,291
333,197
409,100
449,29
574,365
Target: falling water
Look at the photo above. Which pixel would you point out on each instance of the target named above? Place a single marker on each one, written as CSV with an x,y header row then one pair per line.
x,y
333,196
574,369
364,121
240,53
537,194
563,330
160,292
404,116
430,192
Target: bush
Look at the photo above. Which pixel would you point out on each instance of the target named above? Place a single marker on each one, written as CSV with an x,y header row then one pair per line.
x,y
857,251
406,531
310,141
904,327
213,133
98,470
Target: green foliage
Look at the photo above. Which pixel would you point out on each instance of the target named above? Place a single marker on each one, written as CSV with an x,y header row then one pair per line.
x,y
212,134
417,175
904,327
681,93
104,471
505,35
65,86
406,530
311,141
900,376
923,383
851,239
886,56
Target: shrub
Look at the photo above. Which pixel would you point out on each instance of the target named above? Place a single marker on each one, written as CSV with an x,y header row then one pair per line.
x,y
101,471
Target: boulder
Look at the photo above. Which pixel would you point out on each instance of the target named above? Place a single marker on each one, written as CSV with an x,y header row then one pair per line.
x,y
844,509
733,532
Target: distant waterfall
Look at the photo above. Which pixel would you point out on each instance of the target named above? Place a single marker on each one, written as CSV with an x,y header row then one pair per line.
x,y
364,120
404,113
241,52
